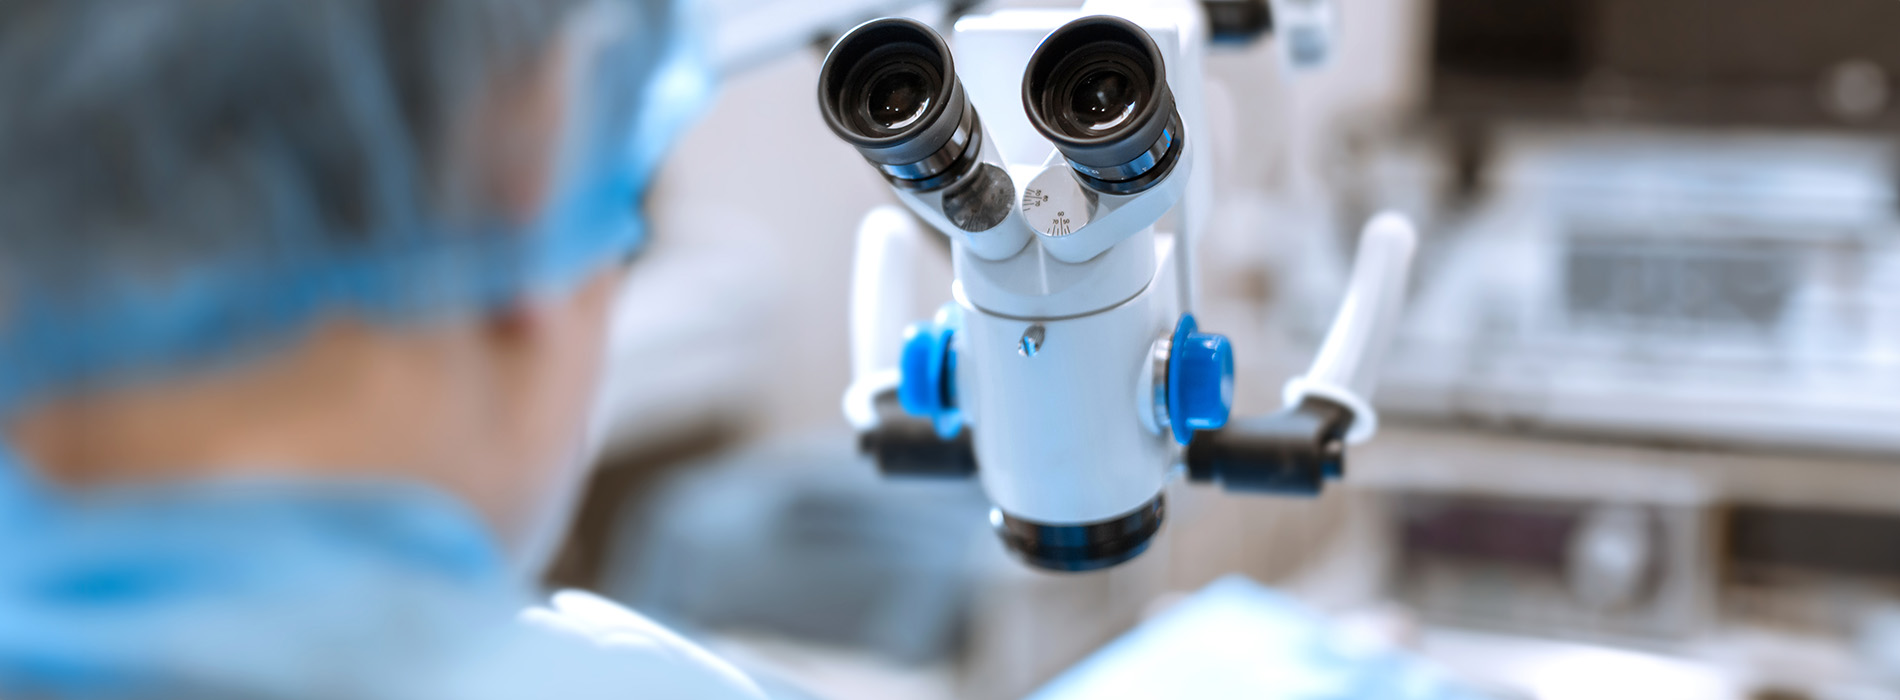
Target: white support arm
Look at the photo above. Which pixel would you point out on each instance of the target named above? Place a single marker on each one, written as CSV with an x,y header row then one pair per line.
x,y
1346,370
890,246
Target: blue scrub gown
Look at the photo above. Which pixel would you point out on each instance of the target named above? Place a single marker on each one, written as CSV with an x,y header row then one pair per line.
x,y
278,589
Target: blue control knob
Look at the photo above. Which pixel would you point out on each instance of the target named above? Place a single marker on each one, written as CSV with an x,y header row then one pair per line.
x,y
1200,380
927,372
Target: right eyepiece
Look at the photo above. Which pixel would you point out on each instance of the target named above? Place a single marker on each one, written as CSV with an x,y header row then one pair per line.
x,y
890,89
1098,89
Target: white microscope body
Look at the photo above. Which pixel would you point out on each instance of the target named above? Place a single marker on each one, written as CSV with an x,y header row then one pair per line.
x,y
1064,159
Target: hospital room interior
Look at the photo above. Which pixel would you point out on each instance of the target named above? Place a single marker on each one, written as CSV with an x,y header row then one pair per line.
x,y
1475,349
1639,423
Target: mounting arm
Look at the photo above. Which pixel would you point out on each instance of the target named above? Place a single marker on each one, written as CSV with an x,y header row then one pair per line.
x,y
1298,449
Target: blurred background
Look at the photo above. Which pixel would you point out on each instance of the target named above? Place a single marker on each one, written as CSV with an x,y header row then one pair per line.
x,y
1641,430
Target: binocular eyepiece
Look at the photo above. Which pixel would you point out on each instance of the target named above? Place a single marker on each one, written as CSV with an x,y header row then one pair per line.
x,y
890,89
1096,88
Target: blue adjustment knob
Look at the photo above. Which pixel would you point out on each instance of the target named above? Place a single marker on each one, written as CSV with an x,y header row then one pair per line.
x,y
926,385
1200,380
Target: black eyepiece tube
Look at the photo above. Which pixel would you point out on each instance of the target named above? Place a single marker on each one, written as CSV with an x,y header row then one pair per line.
x,y
890,89
1098,89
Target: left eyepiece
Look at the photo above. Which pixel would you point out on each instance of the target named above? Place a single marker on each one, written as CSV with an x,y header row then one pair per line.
x,y
890,89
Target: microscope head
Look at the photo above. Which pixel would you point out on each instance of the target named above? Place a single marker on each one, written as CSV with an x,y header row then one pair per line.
x,y
1066,374
1044,365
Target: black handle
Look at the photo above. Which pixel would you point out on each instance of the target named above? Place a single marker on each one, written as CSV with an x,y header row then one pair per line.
x,y
1292,452
905,445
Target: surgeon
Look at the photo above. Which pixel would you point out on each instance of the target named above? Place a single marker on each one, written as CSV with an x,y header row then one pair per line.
x,y
303,308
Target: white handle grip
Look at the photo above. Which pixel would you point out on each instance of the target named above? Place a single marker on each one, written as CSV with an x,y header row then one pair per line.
x,y
1346,370
890,246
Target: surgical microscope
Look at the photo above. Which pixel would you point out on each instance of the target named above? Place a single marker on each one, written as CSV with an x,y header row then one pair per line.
x,y
1066,161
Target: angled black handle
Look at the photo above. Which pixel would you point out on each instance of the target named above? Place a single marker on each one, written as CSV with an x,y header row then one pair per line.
x,y
905,445
1293,452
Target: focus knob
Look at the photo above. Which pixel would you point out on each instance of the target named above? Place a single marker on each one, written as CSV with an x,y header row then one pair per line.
x,y
927,372
1200,380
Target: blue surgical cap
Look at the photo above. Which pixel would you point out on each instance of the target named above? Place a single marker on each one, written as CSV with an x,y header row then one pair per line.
x,y
193,182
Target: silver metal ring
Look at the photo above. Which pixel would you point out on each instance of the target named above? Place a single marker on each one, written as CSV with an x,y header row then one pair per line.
x,y
934,164
1159,369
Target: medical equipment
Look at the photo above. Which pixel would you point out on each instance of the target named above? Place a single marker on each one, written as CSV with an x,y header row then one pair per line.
x,y
1644,238
1065,162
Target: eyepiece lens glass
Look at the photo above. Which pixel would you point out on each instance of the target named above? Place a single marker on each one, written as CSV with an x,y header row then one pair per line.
x,y
1104,99
898,99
